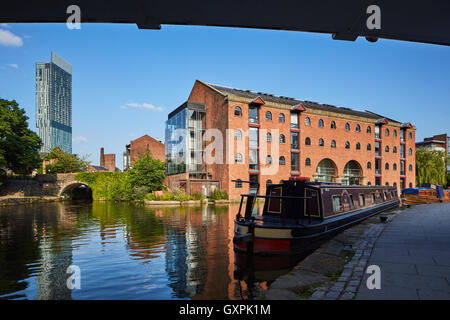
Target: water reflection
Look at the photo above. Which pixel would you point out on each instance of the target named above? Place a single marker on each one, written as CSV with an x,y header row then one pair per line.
x,y
124,251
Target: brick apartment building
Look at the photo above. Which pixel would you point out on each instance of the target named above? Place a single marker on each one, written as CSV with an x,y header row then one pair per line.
x,y
107,161
319,141
439,142
138,148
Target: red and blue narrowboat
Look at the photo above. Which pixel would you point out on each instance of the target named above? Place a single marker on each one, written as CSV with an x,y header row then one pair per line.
x,y
426,193
298,213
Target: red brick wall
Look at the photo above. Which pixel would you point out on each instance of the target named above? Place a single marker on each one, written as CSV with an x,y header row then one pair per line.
x,y
139,147
110,162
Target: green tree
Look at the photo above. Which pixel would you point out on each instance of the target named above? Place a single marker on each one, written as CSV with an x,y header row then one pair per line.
x,y
430,166
147,173
19,146
65,162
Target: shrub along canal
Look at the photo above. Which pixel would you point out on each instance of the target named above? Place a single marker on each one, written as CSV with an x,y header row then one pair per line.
x,y
126,251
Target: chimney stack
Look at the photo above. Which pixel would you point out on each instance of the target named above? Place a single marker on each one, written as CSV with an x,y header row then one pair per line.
x,y
102,157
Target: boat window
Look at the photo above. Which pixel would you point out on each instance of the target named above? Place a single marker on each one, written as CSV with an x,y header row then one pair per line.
x,y
337,204
384,195
362,200
352,205
373,197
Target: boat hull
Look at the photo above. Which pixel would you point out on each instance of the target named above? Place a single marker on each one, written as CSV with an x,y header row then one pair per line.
x,y
262,238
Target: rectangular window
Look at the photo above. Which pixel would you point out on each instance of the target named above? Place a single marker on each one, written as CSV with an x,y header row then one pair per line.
x,y
337,204
373,198
253,137
402,168
253,186
253,115
377,132
253,159
377,149
294,161
402,151
378,181
238,184
294,121
352,204
294,140
377,166
362,200
402,135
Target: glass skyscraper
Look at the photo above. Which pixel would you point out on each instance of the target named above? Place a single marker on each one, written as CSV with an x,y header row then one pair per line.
x,y
54,103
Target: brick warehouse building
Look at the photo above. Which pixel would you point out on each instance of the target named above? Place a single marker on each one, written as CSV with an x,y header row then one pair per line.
x,y
138,148
319,141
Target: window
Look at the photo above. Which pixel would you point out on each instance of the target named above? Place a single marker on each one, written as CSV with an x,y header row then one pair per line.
x,y
337,204
395,133
377,132
369,165
308,141
352,204
347,145
282,138
294,161
333,144
238,134
347,127
238,158
369,130
362,200
238,111
307,122
268,115
369,183
410,135
282,161
394,167
269,137
321,143
358,128
402,136
410,151
238,184
269,160
386,132
253,115
410,167
254,186
402,151
333,125
377,166
320,123
369,147
377,149
410,185
281,117
358,146
373,197
386,149
394,149
268,182
294,121
253,159
307,162
253,137
402,168
294,140
386,166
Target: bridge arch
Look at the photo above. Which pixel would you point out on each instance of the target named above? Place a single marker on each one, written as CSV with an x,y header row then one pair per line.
x,y
76,190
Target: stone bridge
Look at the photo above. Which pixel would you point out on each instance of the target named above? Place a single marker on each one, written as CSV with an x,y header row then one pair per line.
x,y
59,185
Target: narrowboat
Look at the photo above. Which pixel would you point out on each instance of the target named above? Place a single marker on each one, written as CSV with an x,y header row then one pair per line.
x,y
426,193
298,213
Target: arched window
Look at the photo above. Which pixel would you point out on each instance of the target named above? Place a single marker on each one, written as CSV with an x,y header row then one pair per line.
x,y
369,147
369,183
386,166
268,182
269,160
386,149
307,162
333,144
281,117
333,125
387,184
320,123
347,127
268,115
358,128
238,111
410,167
238,134
321,143
282,138
308,141
410,151
369,130
282,161
358,146
369,165
347,145
395,184
269,137
394,167
394,149
238,158
307,122
410,184
386,132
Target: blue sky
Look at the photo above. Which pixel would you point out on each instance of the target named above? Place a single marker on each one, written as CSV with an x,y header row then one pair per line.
x,y
126,80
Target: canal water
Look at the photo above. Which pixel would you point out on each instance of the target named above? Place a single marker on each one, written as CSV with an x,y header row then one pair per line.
x,y
127,251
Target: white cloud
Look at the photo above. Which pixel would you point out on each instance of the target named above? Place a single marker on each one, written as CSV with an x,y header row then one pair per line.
x,y
8,38
13,65
79,138
144,105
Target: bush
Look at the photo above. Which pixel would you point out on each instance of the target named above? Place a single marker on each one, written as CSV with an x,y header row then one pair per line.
x,y
219,195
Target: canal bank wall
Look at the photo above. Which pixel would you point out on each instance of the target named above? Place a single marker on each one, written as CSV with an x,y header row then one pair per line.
x,y
335,269
11,201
